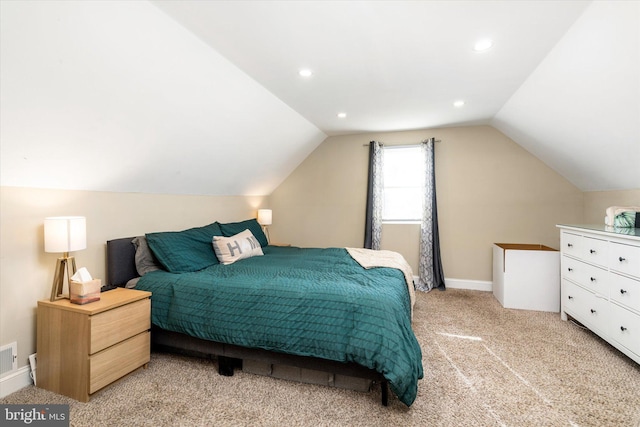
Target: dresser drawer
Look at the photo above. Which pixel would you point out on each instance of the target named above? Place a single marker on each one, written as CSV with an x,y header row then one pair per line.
x,y
571,268
625,328
594,251
625,291
113,326
574,298
589,276
584,306
570,244
115,362
625,258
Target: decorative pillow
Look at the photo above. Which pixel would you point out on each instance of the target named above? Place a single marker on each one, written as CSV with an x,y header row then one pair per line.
x,y
233,228
145,261
231,249
185,251
132,283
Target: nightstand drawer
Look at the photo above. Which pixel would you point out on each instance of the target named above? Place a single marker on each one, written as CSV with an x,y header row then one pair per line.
x,y
115,362
111,327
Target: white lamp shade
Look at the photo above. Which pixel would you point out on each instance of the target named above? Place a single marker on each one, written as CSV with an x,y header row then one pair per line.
x,y
65,233
264,216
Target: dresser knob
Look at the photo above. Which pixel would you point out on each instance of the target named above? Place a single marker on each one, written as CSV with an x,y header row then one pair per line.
x,y
569,296
570,269
593,279
622,291
621,259
570,245
593,251
592,311
622,328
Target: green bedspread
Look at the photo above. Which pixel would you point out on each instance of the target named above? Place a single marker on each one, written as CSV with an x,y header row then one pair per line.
x,y
309,302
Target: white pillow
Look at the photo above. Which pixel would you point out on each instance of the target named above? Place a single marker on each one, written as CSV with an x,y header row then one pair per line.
x,y
240,246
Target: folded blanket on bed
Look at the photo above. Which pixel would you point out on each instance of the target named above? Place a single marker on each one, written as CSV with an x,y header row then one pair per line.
x,y
623,216
369,258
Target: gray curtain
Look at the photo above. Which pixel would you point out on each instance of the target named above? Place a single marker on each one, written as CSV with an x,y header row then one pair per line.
x,y
373,218
430,268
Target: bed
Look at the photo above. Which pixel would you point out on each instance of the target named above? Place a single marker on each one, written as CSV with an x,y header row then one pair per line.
x,y
311,308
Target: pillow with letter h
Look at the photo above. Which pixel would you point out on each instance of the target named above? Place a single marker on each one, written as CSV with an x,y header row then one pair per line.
x,y
240,246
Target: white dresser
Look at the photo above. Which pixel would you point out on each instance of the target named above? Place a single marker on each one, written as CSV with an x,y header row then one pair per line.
x,y
600,285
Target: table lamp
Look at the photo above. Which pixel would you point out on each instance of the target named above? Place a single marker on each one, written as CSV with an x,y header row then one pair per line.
x,y
64,234
264,219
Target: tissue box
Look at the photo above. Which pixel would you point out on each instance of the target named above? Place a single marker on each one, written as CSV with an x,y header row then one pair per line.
x,y
84,292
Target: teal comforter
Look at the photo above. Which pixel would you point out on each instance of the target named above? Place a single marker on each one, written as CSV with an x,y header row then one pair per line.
x,y
309,302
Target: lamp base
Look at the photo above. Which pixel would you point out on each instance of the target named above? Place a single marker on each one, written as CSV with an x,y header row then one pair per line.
x,y
266,233
58,279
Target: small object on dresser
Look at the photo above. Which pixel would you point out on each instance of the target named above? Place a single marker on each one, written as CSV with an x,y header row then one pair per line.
x,y
84,292
83,288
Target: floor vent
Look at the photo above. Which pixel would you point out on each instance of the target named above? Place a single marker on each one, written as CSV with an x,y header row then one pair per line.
x,y
8,358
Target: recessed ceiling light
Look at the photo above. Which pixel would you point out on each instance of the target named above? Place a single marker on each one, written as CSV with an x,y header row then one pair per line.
x,y
482,45
342,115
305,72
458,104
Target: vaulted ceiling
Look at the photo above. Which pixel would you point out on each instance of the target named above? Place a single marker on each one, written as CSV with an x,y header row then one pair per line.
x,y
204,97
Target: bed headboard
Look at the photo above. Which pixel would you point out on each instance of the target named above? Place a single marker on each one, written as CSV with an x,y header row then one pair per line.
x,y
121,262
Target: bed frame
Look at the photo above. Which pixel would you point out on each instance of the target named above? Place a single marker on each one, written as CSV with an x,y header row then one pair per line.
x,y
121,268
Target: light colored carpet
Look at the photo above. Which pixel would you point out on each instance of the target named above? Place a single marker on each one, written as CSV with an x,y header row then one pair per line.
x,y
484,366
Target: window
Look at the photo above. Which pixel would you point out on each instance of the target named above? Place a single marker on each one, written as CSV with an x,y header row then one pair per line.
x,y
403,179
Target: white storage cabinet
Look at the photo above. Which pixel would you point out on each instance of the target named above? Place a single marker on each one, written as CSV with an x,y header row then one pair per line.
x,y
526,276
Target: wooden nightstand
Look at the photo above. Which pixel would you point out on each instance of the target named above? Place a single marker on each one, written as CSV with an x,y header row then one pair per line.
x,y
83,348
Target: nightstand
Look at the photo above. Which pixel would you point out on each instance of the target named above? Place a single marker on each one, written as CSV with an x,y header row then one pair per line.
x,y
83,348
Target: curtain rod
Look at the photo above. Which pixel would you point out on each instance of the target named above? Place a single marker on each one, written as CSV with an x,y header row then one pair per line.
x,y
405,145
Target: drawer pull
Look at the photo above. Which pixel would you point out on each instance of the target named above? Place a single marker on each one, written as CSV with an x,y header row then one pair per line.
x,y
592,311
570,245
623,291
593,279
622,328
592,251
569,296
621,259
570,269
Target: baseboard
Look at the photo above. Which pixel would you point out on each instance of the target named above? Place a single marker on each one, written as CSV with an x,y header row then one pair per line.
x,y
15,381
474,285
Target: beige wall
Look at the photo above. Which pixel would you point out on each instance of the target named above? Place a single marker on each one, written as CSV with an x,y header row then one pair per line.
x,y
489,190
596,203
26,271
